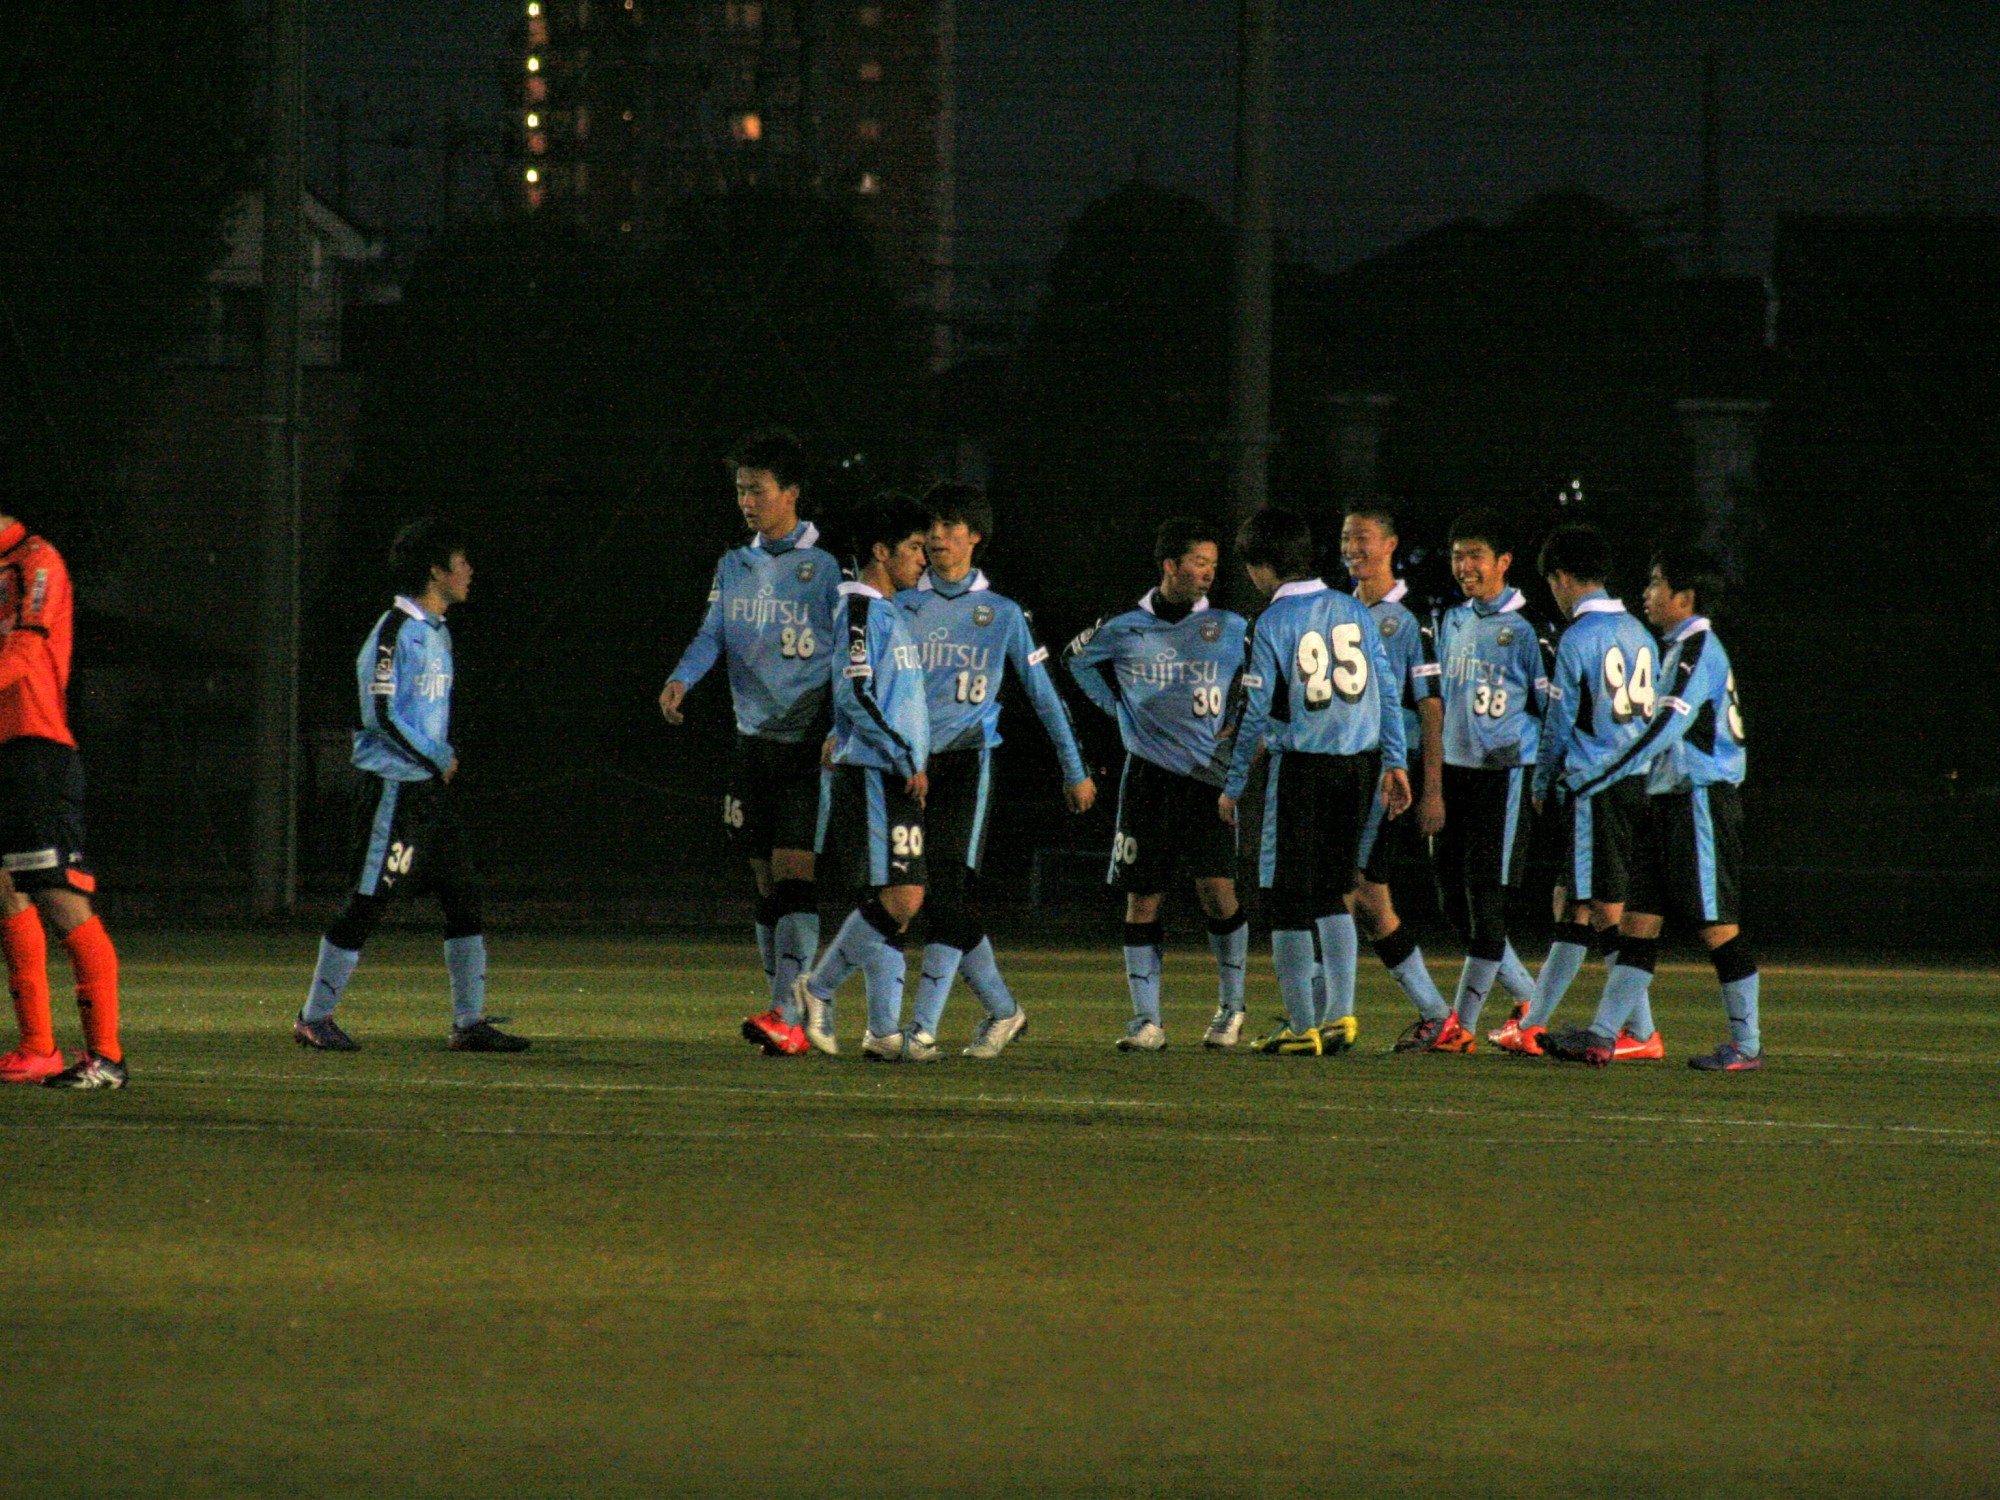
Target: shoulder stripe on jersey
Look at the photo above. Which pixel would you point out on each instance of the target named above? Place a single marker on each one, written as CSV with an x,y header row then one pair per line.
x,y
385,654
1655,727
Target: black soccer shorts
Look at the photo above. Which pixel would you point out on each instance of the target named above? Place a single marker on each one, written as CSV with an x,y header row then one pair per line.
x,y
1314,810
41,816
875,833
1489,819
1689,859
774,796
407,838
1167,825
1603,834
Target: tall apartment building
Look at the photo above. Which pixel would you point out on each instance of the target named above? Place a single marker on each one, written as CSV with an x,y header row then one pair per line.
x,y
626,107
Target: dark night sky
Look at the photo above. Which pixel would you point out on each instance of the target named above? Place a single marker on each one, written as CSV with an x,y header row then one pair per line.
x,y
1393,118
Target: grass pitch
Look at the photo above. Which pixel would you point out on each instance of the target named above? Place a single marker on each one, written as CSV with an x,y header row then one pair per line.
x,y
642,1260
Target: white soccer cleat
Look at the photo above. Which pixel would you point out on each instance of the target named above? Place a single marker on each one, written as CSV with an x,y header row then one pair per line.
x,y
920,1046
1150,1037
882,1048
993,1035
819,1017
1225,1029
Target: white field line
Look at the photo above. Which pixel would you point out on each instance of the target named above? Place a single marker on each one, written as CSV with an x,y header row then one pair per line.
x,y
1944,1134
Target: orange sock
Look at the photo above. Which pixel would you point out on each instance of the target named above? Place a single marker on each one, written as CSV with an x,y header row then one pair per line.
x,y
96,965
27,949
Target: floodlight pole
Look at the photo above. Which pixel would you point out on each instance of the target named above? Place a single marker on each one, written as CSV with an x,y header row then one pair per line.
x,y
274,773
1250,325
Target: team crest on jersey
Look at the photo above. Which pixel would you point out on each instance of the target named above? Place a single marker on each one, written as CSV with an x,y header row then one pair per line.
x,y
1506,635
1210,631
1390,627
806,571
982,615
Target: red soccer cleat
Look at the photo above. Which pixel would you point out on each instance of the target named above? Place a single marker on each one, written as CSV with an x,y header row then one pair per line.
x,y
23,1066
1454,1038
1629,1048
1522,1041
777,1036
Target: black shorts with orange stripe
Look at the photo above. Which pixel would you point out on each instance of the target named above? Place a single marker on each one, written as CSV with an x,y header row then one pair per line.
x,y
41,817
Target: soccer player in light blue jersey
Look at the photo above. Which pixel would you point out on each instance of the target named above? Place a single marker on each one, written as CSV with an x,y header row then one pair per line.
x,y
406,828
1320,695
1690,846
879,754
1601,698
970,637
770,619
1166,670
1368,544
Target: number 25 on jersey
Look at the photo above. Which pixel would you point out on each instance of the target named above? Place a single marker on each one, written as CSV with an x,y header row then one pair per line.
x,y
1332,663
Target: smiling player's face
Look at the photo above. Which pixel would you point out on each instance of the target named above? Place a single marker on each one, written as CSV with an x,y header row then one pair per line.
x,y
1479,570
1366,546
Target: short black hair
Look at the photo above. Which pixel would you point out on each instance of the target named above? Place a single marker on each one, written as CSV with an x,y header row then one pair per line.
x,y
1579,551
1483,525
1278,539
1180,535
1688,568
954,503
775,449
1376,510
890,518
427,542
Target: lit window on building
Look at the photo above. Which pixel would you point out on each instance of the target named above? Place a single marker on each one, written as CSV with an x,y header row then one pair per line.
x,y
538,90
534,10
868,130
532,176
538,33
538,144
534,65
747,128
870,72
869,185
624,228
869,15
628,117
534,122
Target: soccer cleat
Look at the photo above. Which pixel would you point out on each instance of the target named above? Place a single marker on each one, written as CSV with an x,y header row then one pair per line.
x,y
1453,1037
1418,1036
1579,1044
1149,1037
1337,1035
819,1017
88,1072
23,1066
1285,1042
1629,1048
1522,1041
323,1035
484,1036
994,1033
882,1048
1225,1028
778,1037
1728,1058
920,1046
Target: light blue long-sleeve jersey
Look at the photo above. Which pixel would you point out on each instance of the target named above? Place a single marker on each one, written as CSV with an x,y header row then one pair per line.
x,y
1318,682
1696,734
404,676
1409,640
880,714
1600,698
969,636
771,615
1167,676
1496,682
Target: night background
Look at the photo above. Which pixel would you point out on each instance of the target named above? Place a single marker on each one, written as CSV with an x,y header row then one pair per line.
x,y
1733,270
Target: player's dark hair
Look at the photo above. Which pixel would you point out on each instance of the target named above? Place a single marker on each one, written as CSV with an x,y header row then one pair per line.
x,y
1579,551
1694,568
889,518
1482,525
427,542
1278,539
775,449
954,504
1180,535
1378,511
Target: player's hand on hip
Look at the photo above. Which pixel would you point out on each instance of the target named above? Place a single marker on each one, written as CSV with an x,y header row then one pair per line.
x,y
919,786
1081,795
452,769
826,754
670,701
1225,808
1430,814
1396,791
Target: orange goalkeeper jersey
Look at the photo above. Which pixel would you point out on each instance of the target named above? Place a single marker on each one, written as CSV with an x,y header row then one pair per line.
x,y
36,628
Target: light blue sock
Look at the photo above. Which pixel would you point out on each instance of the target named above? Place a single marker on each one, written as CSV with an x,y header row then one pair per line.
x,y
941,962
1142,977
1559,971
465,960
1514,976
767,952
797,939
1739,998
982,975
1640,1022
329,981
849,951
883,970
1340,944
1475,983
1232,955
1292,954
1319,987
1417,983
1623,991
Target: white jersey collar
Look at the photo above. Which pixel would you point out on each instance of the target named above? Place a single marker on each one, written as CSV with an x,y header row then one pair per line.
x,y
413,609
1299,586
975,582
852,586
1693,625
1194,609
1598,603
805,534
1508,601
1395,595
